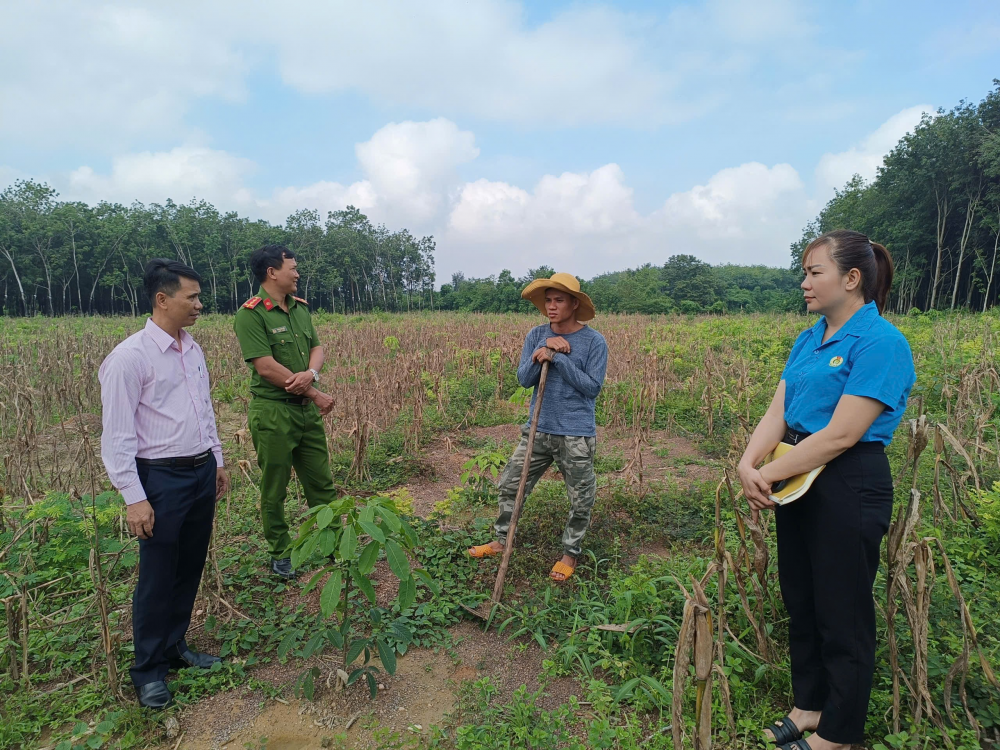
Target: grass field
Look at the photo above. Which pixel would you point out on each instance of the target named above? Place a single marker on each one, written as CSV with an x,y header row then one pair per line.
x,y
427,408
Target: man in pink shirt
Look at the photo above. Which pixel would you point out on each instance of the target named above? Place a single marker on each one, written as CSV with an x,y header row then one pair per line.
x,y
162,452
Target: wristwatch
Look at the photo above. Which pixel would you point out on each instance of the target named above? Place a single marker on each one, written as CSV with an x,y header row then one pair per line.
x,y
315,375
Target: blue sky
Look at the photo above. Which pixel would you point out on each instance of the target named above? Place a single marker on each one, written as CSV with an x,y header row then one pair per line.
x,y
586,136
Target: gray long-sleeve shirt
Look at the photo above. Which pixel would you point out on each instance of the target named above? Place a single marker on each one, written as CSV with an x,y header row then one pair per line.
x,y
573,382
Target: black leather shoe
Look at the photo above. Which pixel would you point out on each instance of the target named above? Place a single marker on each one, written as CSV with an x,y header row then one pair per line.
x,y
283,568
154,695
188,658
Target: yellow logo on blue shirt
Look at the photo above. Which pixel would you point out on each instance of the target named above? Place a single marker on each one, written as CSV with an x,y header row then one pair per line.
x,y
836,362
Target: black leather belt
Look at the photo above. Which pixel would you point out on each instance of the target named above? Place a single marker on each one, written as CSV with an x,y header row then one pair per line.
x,y
182,462
794,437
293,400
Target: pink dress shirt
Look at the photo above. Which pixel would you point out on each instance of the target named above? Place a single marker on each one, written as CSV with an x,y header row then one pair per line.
x,y
157,404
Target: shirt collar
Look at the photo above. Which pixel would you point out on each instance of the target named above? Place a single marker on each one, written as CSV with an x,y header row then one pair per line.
x,y
164,340
265,298
861,320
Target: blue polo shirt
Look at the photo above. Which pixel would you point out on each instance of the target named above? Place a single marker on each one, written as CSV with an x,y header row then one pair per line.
x,y
867,357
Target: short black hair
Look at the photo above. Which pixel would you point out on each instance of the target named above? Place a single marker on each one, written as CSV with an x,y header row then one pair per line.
x,y
163,275
269,256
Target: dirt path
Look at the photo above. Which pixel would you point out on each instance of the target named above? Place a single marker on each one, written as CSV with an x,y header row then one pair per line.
x,y
420,694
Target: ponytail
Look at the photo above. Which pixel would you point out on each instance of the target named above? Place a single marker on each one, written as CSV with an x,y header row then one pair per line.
x,y
854,250
883,277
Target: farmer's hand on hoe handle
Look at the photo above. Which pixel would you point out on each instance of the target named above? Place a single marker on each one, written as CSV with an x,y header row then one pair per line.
x,y
542,354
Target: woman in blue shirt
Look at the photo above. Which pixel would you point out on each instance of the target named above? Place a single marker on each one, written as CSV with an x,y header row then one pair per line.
x,y
841,396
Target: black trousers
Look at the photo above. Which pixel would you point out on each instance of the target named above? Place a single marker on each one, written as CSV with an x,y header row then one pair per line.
x,y
828,554
170,563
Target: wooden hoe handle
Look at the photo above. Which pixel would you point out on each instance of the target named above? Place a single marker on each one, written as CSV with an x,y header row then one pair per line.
x,y
519,500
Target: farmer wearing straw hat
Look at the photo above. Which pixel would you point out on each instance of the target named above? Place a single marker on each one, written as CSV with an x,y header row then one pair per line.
x,y
567,431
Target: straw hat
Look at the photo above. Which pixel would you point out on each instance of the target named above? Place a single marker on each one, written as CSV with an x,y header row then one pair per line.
x,y
565,282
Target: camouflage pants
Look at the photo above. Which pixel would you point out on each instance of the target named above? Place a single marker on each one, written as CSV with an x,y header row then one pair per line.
x,y
575,458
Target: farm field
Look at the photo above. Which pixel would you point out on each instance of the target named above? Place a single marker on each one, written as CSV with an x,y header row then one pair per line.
x,y
427,410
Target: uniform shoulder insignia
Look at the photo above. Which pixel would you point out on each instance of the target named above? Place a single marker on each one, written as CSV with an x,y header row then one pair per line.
x,y
251,303
268,304
299,299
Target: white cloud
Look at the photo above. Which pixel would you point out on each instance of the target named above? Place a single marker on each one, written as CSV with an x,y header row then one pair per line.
x,y
744,214
181,173
479,58
834,170
104,74
321,196
412,165
585,221
409,170
78,72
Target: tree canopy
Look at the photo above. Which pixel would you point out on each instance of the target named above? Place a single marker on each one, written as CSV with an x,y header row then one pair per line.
x,y
935,204
69,257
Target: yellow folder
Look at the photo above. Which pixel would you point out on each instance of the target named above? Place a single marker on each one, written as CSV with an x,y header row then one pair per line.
x,y
791,489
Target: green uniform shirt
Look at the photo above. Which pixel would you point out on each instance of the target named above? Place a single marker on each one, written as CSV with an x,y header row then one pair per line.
x,y
265,330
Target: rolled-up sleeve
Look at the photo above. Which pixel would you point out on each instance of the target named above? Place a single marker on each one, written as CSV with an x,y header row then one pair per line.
x,y
121,377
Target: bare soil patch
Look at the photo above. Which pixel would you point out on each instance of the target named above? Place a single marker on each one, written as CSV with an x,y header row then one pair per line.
x,y
421,693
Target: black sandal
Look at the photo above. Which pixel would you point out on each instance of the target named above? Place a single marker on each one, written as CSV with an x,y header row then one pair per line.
x,y
799,744
785,731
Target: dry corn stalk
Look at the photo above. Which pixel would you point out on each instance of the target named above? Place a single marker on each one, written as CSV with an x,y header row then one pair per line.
x,y
897,561
919,429
938,500
682,660
960,449
696,640
704,651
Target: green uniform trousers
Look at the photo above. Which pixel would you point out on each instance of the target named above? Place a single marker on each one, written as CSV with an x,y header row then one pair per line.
x,y
575,458
287,435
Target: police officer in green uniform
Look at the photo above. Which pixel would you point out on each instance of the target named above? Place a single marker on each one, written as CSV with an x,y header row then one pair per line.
x,y
279,342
